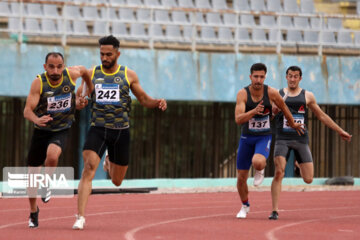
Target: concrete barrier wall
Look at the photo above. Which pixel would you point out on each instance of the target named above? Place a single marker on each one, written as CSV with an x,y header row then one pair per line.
x,y
193,76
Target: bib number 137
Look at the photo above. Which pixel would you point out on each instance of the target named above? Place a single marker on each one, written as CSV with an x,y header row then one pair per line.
x,y
259,124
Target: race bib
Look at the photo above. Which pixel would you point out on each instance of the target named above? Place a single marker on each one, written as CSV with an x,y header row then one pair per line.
x,y
60,103
297,119
259,124
107,93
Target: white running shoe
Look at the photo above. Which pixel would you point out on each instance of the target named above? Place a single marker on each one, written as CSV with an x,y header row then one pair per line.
x,y
79,223
258,177
243,211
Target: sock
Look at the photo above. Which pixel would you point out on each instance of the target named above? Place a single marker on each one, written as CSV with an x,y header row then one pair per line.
x,y
246,202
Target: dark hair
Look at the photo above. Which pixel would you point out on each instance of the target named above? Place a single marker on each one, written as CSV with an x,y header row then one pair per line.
x,y
54,54
294,69
109,40
258,67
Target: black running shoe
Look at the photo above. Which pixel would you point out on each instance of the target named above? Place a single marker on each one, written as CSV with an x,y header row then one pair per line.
x,y
45,195
274,215
34,219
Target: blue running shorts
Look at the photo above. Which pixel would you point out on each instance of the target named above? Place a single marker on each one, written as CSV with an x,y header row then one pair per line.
x,y
250,145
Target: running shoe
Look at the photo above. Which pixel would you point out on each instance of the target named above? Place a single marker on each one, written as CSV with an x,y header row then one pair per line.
x,y
243,211
79,223
258,177
274,215
34,219
45,194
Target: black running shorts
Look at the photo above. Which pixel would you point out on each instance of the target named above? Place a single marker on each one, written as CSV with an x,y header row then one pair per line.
x,y
40,141
117,141
301,150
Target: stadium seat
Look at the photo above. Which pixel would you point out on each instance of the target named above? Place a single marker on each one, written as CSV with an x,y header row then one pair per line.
x,y
315,23
357,38
173,33
15,8
358,7
202,4
14,24
247,20
285,22
99,1
225,35
267,21
243,36
119,2
301,22
179,17
137,31
213,18
199,18
111,11
48,26
4,9
162,16
274,6
187,33
241,5
90,13
80,28
186,3
328,38
259,36
334,23
169,3
230,19
152,3
291,6
257,5
207,35
72,12
50,10
156,32
33,9
100,28
119,30
311,37
32,26
307,6
293,37
134,2
274,36
143,15
126,14
219,4
344,39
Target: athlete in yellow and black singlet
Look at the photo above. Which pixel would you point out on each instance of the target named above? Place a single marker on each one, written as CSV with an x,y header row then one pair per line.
x,y
111,105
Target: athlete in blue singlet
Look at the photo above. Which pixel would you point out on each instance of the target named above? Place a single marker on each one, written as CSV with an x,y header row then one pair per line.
x,y
253,111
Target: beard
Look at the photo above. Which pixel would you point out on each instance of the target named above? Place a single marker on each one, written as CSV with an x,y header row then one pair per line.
x,y
257,85
108,65
55,77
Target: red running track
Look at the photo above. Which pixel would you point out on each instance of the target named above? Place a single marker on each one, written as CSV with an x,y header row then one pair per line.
x,y
303,215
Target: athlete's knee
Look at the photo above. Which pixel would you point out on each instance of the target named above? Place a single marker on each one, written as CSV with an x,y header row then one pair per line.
x,y
308,180
259,165
51,160
117,182
279,173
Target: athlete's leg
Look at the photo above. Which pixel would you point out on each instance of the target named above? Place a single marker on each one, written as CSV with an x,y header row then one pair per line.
x,y
117,173
259,161
91,162
52,155
242,187
307,172
280,164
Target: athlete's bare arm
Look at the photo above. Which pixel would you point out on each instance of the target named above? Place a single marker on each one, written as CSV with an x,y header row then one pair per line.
x,y
141,95
240,115
323,117
32,101
275,97
81,101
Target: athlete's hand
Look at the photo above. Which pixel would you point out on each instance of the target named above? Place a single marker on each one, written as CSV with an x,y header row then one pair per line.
x,y
81,102
41,121
345,136
162,104
299,127
259,108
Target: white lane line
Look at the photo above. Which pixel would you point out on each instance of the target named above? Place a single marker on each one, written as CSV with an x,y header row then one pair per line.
x,y
270,235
